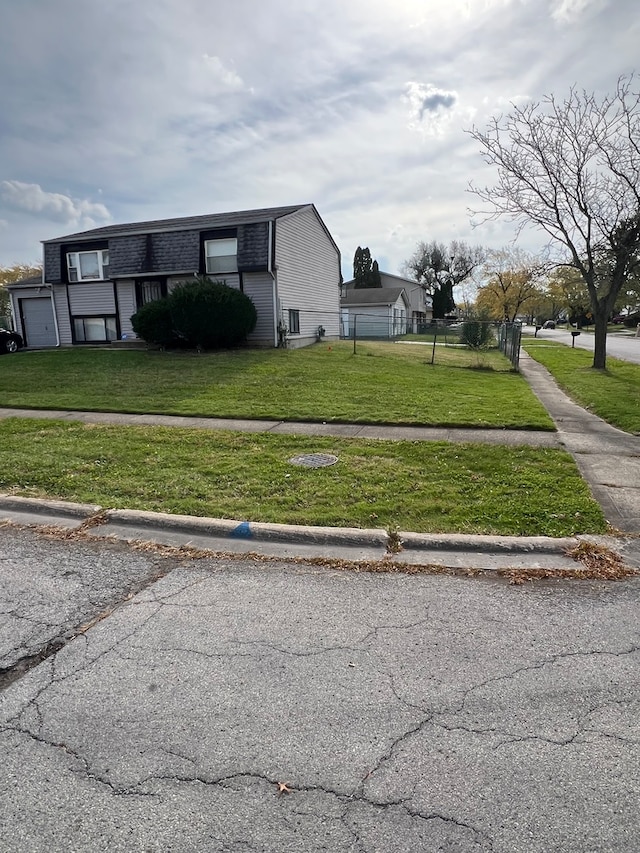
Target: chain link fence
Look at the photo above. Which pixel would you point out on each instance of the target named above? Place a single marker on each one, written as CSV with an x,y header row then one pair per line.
x,y
477,335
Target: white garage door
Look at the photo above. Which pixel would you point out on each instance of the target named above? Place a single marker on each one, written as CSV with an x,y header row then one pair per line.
x,y
37,322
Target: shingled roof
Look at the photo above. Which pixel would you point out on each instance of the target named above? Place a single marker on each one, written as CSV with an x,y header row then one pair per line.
x,y
184,223
372,296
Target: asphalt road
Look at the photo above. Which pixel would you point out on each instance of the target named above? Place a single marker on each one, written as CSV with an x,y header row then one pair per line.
x,y
237,705
618,345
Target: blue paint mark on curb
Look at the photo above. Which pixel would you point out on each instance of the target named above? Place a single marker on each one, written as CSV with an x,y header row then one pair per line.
x,y
242,531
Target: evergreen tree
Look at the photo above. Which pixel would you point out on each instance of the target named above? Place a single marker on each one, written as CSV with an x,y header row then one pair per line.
x,y
365,270
374,276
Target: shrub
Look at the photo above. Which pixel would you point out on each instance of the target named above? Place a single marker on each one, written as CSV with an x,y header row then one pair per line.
x,y
209,314
153,323
477,334
199,313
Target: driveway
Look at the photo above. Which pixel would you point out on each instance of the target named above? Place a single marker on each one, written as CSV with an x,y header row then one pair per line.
x,y
238,705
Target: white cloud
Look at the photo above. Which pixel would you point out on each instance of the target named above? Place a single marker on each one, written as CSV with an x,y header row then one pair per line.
x,y
229,78
53,206
566,11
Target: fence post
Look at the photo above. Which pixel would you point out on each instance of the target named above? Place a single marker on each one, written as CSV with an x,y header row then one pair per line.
x,y
433,348
355,320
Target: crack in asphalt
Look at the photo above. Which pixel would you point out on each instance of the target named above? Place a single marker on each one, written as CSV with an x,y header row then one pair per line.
x,y
21,666
348,800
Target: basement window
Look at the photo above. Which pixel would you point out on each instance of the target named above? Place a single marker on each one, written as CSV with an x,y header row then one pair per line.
x,y
294,322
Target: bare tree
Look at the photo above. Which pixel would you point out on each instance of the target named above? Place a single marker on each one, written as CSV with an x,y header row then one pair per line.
x,y
572,168
439,268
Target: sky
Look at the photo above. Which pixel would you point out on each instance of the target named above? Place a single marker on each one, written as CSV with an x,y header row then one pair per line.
x,y
117,111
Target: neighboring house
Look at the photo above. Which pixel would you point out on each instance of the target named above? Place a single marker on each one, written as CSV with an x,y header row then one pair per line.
x,y
283,258
374,312
420,305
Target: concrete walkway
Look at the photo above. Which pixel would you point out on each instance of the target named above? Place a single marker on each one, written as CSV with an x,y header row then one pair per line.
x,y
389,432
608,458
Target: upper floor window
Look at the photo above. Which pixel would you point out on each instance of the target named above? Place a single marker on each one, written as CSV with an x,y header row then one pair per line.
x,y
221,255
88,266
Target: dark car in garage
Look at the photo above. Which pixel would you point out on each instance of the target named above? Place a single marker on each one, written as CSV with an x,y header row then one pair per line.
x,y
10,341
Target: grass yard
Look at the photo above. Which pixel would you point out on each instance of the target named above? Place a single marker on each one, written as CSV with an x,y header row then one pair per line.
x,y
613,394
420,486
382,383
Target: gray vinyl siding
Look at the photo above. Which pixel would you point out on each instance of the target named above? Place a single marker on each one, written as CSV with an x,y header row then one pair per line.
x,y
126,291
62,313
376,321
230,279
308,274
259,288
91,299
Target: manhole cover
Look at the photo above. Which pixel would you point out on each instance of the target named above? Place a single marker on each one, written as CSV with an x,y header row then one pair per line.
x,y
314,460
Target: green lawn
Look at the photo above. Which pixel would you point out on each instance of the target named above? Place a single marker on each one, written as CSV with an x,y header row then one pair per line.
x,y
382,383
420,486
613,394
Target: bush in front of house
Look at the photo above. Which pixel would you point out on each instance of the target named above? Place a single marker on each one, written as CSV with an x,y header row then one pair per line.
x,y
210,314
202,314
154,325
477,333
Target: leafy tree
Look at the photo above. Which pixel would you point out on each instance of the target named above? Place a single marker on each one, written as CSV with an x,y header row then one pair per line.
x,y
365,270
513,280
570,167
442,300
439,269
9,275
566,288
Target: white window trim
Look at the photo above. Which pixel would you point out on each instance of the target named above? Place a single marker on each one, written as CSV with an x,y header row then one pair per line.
x,y
73,263
231,256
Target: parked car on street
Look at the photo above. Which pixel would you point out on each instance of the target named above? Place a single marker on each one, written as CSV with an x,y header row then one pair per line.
x,y
549,325
10,341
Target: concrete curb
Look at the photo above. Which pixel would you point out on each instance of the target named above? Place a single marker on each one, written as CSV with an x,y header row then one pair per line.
x,y
238,531
487,544
38,506
228,528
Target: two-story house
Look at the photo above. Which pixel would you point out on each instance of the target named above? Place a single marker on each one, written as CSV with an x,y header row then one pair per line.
x,y
283,258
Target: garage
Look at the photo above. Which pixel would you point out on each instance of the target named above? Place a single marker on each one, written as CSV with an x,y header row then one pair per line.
x,y
36,315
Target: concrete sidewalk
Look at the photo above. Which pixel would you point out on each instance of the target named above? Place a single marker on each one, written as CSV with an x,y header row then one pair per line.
x,y
388,432
608,458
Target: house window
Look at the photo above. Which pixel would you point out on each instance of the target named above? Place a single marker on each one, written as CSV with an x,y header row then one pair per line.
x,y
294,322
88,266
149,291
94,329
221,255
